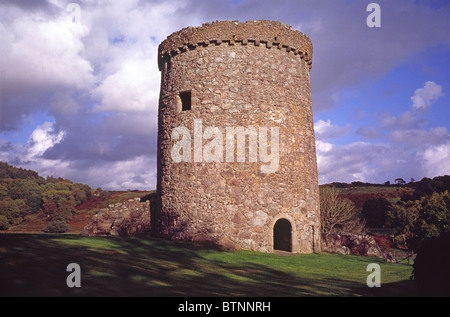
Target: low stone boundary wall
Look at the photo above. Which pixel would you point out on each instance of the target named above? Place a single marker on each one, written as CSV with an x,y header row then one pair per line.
x,y
130,218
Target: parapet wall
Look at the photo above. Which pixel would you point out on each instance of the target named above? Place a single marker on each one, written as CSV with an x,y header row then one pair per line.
x,y
272,34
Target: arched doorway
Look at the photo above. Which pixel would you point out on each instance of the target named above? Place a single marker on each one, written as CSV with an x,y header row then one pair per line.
x,y
282,239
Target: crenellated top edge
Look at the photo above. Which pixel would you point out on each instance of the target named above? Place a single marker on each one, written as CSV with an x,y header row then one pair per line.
x,y
272,34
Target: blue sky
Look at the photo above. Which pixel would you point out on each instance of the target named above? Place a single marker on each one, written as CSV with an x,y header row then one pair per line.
x,y
79,93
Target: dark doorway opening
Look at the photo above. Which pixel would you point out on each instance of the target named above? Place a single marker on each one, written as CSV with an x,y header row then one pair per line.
x,y
282,235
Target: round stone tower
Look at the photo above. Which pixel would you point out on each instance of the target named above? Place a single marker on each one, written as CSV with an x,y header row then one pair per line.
x,y
236,150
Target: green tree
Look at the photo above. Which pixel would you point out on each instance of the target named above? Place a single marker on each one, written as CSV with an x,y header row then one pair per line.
x,y
434,216
28,190
402,218
58,201
4,223
3,191
23,207
49,207
25,191
66,209
57,227
420,219
8,171
338,215
10,210
81,193
375,211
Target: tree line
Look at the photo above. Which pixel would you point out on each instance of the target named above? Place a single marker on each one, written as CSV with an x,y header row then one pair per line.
x,y
23,192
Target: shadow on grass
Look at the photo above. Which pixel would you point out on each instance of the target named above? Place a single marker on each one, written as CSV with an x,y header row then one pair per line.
x,y
35,265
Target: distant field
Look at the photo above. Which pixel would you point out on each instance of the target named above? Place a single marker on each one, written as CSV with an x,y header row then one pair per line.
x,y
375,190
35,265
360,194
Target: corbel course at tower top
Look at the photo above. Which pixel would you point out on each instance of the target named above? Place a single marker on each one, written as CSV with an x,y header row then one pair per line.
x,y
272,34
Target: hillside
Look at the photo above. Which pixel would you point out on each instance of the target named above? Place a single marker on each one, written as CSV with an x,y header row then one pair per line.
x,y
30,203
34,223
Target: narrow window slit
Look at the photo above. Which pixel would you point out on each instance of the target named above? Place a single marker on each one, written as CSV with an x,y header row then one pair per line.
x,y
186,98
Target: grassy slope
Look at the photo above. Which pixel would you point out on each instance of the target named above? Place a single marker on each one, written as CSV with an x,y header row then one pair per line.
x,y
35,265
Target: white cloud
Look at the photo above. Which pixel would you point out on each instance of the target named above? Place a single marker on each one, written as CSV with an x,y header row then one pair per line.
x,y
38,52
436,160
359,161
424,97
325,130
136,173
41,139
31,154
130,88
42,64
378,162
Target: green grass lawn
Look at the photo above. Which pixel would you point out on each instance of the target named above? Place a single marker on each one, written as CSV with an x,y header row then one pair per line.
x,y
35,265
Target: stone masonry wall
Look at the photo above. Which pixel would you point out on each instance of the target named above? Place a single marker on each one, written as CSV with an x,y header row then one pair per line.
x,y
130,218
253,74
356,244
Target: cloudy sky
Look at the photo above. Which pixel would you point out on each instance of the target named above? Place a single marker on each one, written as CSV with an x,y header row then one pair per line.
x,y
79,84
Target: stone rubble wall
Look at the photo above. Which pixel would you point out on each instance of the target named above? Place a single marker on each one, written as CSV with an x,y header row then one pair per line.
x,y
130,218
355,244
